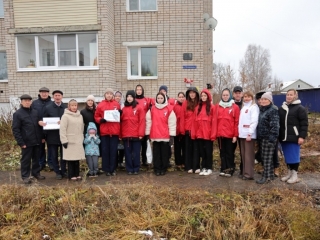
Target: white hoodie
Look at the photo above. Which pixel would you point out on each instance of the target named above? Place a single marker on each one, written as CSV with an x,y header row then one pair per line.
x,y
248,121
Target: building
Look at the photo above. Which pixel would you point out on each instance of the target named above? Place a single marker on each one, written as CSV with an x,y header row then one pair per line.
x,y
84,46
285,86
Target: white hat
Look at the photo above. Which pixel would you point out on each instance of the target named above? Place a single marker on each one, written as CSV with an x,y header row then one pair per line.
x,y
90,97
267,95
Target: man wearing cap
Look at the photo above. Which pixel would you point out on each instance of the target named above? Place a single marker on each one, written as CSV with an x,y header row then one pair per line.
x,y
55,109
28,135
43,100
237,97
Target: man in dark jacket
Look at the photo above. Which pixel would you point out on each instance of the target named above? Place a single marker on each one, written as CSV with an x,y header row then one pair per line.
x,y
28,135
43,100
55,109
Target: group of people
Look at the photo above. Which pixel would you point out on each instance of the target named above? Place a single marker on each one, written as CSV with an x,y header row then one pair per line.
x,y
189,124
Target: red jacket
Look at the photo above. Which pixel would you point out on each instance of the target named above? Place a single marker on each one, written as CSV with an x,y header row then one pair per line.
x,y
227,121
203,126
107,128
144,103
133,122
177,110
186,118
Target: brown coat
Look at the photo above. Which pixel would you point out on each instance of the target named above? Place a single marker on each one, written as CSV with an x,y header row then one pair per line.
x,y
71,132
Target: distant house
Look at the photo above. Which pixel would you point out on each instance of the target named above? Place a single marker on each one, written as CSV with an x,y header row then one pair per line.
x,y
285,86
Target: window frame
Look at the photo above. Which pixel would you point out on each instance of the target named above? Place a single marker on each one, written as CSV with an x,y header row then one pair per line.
x,y
1,9
4,80
139,77
139,10
56,67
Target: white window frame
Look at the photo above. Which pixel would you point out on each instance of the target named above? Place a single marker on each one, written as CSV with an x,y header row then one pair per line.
x,y
4,80
140,45
139,10
39,68
1,8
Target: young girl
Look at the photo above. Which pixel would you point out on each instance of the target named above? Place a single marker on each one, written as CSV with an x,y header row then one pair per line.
x,y
71,137
187,118
204,133
133,125
109,132
268,132
227,131
120,154
161,126
92,152
248,122
179,138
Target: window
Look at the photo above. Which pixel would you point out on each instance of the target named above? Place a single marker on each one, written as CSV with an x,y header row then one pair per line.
x,y
142,5
298,85
1,9
57,52
142,63
3,66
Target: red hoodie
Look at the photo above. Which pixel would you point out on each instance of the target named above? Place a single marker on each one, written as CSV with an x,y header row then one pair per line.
x,y
203,126
227,121
133,122
107,128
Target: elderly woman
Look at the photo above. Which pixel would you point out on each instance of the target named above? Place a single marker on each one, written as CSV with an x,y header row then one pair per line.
x,y
293,131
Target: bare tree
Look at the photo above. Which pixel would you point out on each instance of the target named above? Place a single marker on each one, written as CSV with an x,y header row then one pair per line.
x,y
255,68
277,84
223,77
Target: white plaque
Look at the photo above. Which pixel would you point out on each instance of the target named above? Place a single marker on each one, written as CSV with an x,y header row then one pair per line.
x,y
52,123
112,115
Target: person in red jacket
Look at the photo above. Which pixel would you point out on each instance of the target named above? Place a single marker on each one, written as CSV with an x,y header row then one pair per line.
x,y
179,138
186,120
161,126
109,132
203,132
145,103
227,131
133,125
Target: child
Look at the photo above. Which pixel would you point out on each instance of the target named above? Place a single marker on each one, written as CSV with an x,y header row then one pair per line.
x,y
71,137
161,126
133,124
203,132
92,152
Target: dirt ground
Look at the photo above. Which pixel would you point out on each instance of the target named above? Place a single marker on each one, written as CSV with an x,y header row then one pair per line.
x,y
181,179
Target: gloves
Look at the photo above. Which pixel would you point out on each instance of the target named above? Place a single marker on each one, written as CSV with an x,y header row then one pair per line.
x,y
65,145
171,140
102,120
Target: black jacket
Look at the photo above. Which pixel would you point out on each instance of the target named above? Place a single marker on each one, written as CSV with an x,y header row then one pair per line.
x,y
52,110
25,127
40,105
268,125
88,116
293,122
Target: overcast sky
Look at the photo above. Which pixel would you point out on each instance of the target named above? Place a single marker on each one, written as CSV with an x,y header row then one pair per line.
x,y
290,29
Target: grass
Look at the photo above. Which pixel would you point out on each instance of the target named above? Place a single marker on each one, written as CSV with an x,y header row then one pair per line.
x,y
111,212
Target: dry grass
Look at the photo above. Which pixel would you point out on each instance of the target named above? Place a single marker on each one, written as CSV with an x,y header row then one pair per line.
x,y
111,212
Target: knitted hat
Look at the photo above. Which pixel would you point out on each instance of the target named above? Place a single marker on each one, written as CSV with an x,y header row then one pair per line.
x,y
109,90
132,93
44,89
90,97
163,87
26,96
267,95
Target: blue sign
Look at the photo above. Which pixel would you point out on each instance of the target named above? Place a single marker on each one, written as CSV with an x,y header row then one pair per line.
x,y
189,67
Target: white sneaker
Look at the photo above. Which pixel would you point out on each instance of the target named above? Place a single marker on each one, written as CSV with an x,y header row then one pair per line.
x,y
222,174
197,171
203,171
208,172
190,171
255,161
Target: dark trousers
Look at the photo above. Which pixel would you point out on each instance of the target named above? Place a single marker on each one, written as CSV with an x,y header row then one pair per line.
x,y
54,149
227,148
204,148
192,161
179,150
44,156
73,169
132,155
30,158
120,155
267,150
160,156
109,148
144,149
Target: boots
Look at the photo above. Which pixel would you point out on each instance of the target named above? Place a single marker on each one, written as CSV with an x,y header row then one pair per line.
x,y
286,178
294,177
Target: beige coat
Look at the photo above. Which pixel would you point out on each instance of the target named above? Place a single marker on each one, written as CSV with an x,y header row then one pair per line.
x,y
71,132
